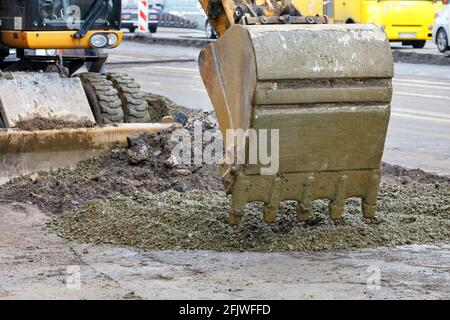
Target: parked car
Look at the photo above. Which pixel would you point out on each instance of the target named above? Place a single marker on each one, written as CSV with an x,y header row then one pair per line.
x,y
176,20
441,29
189,10
130,18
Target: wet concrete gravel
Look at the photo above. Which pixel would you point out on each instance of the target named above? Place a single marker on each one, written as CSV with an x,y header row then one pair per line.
x,y
135,196
143,166
40,123
407,214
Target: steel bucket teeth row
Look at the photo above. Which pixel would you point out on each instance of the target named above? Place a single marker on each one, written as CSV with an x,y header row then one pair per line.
x,y
336,193
303,210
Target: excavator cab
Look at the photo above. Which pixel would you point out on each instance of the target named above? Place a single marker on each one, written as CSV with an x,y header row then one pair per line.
x,y
52,40
86,25
44,44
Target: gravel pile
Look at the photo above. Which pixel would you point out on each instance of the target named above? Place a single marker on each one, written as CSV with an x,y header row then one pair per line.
x,y
40,123
138,196
146,164
160,107
412,213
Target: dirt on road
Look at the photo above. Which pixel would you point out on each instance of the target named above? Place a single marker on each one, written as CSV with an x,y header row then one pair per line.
x,y
37,264
158,106
40,123
119,206
141,196
421,58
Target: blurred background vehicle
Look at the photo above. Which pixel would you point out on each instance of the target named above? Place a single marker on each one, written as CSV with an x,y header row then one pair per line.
x,y
441,29
176,21
183,13
410,22
130,15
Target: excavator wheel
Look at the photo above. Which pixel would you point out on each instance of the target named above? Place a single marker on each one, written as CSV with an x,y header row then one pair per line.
x,y
103,98
134,105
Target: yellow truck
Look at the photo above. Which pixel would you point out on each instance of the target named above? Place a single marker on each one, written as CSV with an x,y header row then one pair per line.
x,y
310,7
408,21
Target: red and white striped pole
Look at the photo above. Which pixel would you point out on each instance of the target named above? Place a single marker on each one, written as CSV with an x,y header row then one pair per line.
x,y
143,16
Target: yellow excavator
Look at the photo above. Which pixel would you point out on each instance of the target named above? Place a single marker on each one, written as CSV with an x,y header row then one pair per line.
x,y
38,81
326,88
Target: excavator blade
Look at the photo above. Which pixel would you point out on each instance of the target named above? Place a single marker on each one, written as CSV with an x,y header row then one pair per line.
x,y
25,152
27,95
325,89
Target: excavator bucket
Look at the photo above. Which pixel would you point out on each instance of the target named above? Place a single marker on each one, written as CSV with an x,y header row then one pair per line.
x,y
325,89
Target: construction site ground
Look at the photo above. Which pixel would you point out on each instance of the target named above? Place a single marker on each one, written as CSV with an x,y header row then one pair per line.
x,y
37,264
128,226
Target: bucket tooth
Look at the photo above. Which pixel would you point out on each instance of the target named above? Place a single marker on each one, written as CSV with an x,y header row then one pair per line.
x,y
368,210
335,211
238,202
369,203
336,206
304,207
325,89
235,216
303,211
270,213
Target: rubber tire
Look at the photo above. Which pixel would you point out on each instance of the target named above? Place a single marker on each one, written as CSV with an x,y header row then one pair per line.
x,y
103,98
132,30
445,48
134,105
153,29
418,44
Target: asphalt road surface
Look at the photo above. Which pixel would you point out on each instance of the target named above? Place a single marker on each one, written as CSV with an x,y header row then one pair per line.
x,y
419,130
37,264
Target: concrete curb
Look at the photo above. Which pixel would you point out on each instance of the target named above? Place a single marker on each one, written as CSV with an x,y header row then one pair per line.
x,y
183,42
421,58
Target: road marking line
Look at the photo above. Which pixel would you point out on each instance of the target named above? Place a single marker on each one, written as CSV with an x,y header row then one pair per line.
x,y
198,89
397,114
423,113
151,83
420,86
414,132
419,95
176,68
431,82
150,70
